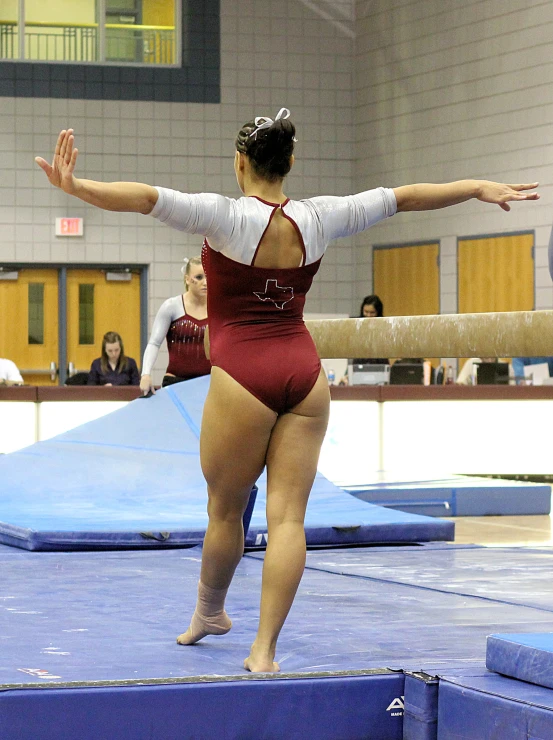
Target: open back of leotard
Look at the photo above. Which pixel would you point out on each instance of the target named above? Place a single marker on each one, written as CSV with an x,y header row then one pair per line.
x,y
255,313
257,334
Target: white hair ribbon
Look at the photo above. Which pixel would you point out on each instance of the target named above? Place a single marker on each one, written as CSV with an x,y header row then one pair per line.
x,y
186,260
262,122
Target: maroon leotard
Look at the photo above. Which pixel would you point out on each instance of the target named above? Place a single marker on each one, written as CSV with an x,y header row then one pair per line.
x,y
256,329
257,334
185,343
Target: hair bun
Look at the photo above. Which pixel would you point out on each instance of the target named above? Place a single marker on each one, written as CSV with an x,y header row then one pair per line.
x,y
269,144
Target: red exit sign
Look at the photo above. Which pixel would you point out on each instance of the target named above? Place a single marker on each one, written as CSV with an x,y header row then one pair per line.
x,y
69,227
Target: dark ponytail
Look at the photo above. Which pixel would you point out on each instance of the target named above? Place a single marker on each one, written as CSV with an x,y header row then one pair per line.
x,y
268,149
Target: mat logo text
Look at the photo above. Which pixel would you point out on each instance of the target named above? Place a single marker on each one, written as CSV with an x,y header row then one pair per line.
x,y
398,705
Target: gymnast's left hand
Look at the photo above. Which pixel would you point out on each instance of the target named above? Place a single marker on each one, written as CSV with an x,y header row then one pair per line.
x,y
496,192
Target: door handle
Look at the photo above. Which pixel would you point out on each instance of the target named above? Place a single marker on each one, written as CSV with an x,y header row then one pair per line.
x,y
38,371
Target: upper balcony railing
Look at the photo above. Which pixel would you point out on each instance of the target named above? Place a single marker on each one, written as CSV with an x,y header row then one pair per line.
x,y
80,42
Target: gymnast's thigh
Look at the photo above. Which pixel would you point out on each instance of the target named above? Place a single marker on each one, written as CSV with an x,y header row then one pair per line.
x,y
236,428
294,453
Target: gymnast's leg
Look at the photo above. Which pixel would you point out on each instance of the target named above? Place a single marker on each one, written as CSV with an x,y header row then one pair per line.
x,y
236,429
292,460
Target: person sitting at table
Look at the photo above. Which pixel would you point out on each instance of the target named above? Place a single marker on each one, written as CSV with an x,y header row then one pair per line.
x,y
113,367
371,308
9,373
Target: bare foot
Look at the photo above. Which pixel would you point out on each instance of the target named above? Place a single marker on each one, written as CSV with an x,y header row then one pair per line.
x,y
200,627
261,661
261,667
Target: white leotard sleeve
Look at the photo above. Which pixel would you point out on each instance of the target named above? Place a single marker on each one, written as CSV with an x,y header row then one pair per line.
x,y
235,227
350,214
208,214
169,311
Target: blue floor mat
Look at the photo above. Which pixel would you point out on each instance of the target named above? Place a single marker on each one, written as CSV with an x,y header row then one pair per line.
x,y
491,707
96,633
133,479
114,616
458,496
526,656
262,708
452,569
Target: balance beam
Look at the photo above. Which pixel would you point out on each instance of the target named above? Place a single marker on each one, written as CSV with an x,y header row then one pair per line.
x,y
506,334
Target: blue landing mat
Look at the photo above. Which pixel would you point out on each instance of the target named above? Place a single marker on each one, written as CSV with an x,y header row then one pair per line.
x,y
491,707
528,657
458,496
330,708
133,479
113,616
75,619
502,575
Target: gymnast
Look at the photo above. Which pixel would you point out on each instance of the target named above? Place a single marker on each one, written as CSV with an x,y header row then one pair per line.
x,y
181,320
268,400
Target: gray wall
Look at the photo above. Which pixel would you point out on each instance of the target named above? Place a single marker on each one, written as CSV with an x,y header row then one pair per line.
x,y
428,90
447,90
272,55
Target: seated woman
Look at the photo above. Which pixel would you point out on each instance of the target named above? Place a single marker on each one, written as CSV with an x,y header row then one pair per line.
x,y
371,308
113,367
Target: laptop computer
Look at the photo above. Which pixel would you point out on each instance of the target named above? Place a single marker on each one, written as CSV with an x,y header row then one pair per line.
x,y
492,373
368,374
403,373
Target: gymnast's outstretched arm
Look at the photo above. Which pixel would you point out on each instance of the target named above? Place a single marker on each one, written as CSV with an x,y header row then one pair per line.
x,y
111,196
428,196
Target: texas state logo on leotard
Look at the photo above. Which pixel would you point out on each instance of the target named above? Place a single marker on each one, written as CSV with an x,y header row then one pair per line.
x,y
276,294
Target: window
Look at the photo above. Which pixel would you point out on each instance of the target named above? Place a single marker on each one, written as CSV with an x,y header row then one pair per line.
x,y
86,313
137,32
36,313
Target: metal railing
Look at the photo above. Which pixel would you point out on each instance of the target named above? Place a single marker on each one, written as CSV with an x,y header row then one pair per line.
x,y
78,42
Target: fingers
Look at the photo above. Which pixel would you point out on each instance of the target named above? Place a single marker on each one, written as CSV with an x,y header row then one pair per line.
x,y
59,143
529,186
68,147
72,161
523,196
65,141
43,164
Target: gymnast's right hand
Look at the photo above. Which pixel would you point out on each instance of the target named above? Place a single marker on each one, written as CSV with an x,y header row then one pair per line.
x,y
60,172
146,385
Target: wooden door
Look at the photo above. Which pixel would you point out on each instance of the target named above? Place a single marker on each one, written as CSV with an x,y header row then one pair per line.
x,y
407,279
29,324
96,305
496,273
